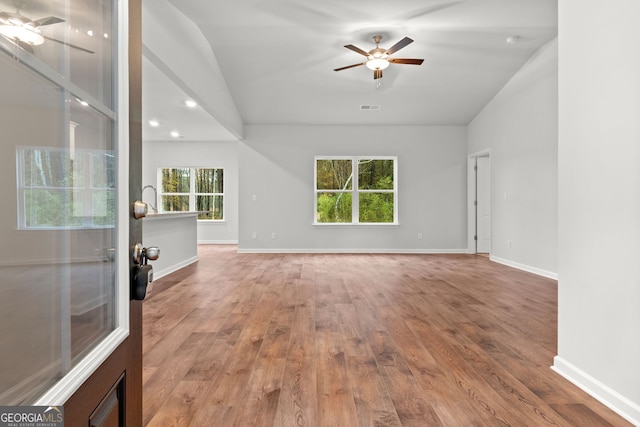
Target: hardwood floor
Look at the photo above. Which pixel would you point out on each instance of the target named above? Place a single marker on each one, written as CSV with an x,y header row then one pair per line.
x,y
347,340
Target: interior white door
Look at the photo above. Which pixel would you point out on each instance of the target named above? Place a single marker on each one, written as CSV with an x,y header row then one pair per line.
x,y
483,196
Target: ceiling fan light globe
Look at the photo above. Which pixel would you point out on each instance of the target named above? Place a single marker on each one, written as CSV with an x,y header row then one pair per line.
x,y
377,64
21,33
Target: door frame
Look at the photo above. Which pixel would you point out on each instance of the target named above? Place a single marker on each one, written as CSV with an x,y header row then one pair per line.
x,y
472,190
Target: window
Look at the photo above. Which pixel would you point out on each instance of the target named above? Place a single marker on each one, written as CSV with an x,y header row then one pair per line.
x,y
193,189
60,188
355,190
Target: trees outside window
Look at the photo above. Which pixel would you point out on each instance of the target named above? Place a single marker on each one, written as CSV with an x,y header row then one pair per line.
x,y
355,190
59,189
193,189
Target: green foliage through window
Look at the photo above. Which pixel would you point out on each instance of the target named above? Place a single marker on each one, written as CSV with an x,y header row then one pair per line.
x,y
355,190
193,189
60,188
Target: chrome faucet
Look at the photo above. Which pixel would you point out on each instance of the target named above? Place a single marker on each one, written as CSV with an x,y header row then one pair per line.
x,y
154,206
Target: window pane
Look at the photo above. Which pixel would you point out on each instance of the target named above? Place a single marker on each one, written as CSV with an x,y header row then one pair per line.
x,y
57,294
175,203
52,208
209,181
103,168
175,180
212,204
48,167
376,207
104,208
334,175
93,72
375,174
334,207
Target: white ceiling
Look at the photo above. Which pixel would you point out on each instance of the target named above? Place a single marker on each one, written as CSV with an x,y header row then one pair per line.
x,y
277,59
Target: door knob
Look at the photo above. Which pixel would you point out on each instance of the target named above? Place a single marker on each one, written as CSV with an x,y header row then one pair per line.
x,y
143,272
141,254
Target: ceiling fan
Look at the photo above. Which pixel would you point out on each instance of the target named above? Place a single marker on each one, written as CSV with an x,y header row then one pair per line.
x,y
379,58
26,33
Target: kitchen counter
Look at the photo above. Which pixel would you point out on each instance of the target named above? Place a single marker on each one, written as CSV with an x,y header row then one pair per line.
x,y
175,233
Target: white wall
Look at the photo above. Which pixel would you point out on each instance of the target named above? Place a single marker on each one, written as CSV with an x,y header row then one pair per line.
x,y
599,200
175,45
162,154
277,166
520,128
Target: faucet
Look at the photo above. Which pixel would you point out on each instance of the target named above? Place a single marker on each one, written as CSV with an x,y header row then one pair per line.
x,y
155,197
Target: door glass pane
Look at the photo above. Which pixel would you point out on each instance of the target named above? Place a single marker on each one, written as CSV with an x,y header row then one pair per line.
x,y
74,39
57,224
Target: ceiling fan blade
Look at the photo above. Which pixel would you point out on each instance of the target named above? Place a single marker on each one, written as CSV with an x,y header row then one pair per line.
x,y
47,21
377,74
406,61
349,66
26,46
396,47
68,44
357,50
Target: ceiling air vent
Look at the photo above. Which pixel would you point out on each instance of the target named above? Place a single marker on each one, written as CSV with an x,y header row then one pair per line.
x,y
369,107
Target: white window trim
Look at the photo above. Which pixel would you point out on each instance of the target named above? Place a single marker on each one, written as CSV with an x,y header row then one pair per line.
x,y
87,190
191,194
71,382
355,207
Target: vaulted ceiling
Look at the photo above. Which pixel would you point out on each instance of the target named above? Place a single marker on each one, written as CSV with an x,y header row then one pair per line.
x,y
257,62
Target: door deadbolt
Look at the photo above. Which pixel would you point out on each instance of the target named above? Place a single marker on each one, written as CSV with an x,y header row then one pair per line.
x,y
140,209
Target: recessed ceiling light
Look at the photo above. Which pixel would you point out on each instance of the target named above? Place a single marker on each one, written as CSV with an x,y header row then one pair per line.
x,y
175,134
154,123
190,103
90,33
106,36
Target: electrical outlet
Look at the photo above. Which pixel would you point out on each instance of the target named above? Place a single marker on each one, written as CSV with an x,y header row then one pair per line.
x,y
273,235
254,235
508,243
419,236
254,198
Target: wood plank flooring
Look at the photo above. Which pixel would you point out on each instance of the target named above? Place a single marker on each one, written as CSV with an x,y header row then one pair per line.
x,y
355,340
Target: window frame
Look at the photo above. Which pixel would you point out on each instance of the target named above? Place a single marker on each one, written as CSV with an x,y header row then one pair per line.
x,y
192,194
355,192
87,190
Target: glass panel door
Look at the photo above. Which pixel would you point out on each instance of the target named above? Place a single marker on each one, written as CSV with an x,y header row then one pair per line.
x,y
58,161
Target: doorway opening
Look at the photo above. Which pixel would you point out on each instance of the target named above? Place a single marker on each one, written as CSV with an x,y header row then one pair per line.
x,y
479,202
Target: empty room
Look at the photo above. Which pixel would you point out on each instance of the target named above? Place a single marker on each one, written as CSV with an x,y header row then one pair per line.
x,y
287,213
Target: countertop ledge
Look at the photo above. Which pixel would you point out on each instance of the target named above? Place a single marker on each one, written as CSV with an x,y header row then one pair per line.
x,y
162,215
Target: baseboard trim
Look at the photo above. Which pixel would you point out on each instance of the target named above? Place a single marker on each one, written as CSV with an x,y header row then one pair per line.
x,y
217,242
351,251
607,396
175,267
523,267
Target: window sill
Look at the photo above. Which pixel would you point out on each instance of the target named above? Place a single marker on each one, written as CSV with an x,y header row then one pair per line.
x,y
356,225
